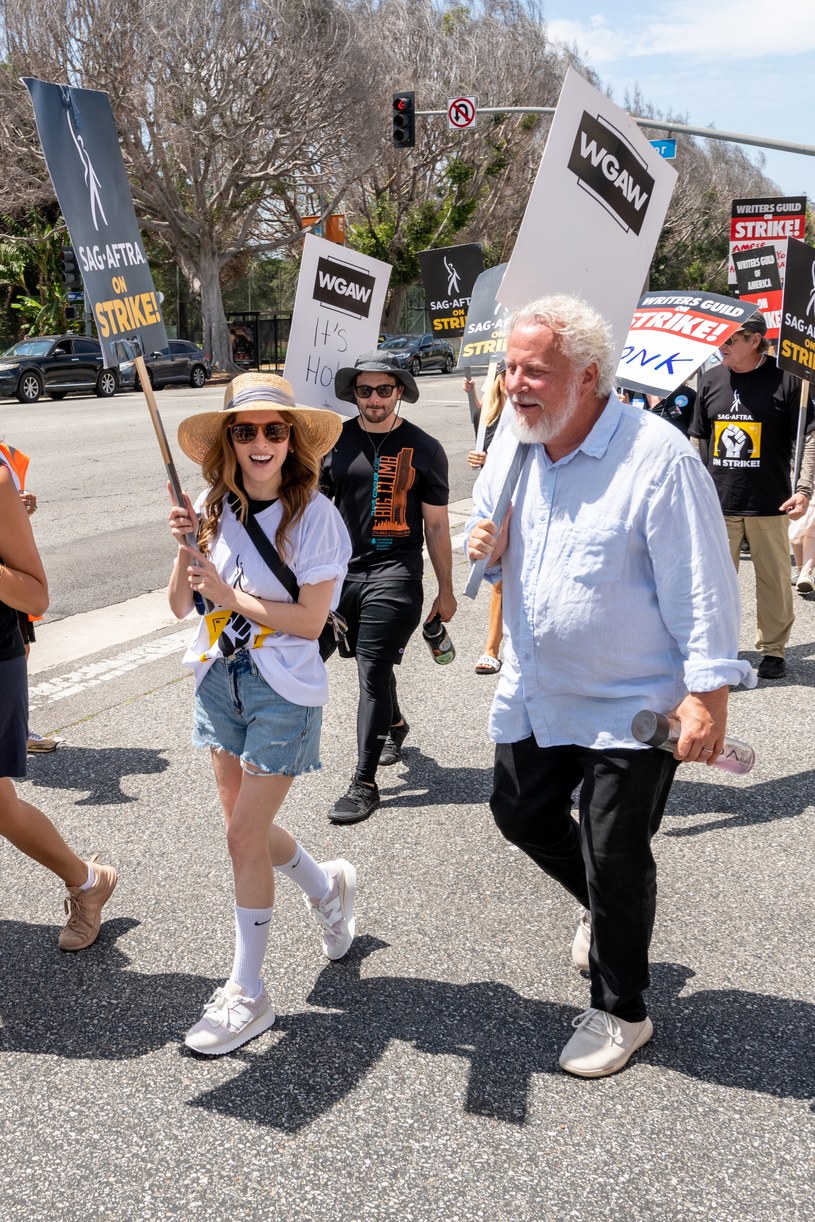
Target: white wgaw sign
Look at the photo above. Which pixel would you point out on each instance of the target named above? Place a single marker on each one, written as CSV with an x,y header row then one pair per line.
x,y
595,212
337,314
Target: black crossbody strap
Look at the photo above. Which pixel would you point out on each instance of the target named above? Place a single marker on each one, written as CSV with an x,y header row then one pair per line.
x,y
267,550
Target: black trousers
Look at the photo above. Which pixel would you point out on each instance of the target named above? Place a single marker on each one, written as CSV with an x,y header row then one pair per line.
x,y
381,616
605,860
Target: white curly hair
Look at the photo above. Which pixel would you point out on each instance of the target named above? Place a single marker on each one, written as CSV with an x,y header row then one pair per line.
x,y
584,337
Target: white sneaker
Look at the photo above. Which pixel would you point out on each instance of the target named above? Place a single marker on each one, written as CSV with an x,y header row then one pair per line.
x,y
582,941
229,1020
335,915
602,1043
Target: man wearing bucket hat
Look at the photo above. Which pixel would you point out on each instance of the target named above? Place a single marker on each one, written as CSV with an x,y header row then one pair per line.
x,y
260,683
388,478
746,422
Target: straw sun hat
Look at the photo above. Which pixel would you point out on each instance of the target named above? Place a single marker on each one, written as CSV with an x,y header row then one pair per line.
x,y
260,392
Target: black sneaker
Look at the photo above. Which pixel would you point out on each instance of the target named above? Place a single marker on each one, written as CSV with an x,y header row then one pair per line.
x,y
772,667
392,750
360,802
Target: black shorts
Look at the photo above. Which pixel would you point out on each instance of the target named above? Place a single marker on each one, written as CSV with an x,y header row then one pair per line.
x,y
13,717
382,616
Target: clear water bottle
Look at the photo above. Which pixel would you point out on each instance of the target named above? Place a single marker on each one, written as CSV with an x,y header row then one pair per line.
x,y
438,641
659,730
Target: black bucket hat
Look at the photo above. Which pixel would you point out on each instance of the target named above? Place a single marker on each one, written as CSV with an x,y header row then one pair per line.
x,y
344,378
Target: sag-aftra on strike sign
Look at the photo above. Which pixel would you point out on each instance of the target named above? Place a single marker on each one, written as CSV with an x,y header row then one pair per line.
x,y
82,153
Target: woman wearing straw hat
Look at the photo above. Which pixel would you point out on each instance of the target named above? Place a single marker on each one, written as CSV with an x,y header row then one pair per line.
x,y
260,682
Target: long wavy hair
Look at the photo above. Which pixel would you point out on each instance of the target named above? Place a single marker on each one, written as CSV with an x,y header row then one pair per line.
x,y
298,481
495,398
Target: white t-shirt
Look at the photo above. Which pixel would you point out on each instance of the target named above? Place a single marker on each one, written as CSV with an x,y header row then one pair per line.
x,y
319,550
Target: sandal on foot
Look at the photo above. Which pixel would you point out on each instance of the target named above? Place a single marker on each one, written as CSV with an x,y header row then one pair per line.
x,y
487,665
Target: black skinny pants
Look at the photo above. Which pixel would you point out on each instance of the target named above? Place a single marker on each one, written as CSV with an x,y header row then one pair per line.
x,y
377,711
605,860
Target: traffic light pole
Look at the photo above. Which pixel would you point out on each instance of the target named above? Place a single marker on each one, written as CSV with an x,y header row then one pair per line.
x,y
709,133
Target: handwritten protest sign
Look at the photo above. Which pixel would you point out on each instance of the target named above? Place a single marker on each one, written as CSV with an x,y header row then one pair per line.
x,y
765,222
672,334
337,312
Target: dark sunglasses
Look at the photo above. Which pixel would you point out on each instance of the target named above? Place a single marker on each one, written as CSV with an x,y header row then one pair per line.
x,y
273,431
735,335
364,392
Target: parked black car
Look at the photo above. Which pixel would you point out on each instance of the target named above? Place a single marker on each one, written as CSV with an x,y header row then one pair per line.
x,y
59,365
180,362
418,352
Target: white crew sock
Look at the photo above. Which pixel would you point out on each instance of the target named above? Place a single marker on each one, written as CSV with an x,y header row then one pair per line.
x,y
90,880
312,878
251,939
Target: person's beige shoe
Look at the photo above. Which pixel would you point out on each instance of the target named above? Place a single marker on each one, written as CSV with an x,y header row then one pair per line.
x,y
37,743
84,909
602,1044
582,942
230,1019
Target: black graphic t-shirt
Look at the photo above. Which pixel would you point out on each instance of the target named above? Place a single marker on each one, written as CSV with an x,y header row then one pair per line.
x,y
750,422
379,482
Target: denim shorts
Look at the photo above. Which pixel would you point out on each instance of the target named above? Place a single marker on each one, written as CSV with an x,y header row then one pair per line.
x,y
236,711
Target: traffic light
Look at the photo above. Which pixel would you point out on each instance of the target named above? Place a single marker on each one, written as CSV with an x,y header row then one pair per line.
x,y
71,277
404,120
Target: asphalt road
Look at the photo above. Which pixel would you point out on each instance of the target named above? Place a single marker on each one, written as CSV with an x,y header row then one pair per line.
x,y
416,1080
101,487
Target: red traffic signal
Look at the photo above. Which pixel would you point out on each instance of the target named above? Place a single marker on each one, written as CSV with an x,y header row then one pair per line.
x,y
404,120
71,275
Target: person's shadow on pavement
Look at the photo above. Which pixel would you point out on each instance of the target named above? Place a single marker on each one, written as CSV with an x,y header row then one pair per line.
x,y
97,771
751,805
763,1043
86,1004
425,782
732,1037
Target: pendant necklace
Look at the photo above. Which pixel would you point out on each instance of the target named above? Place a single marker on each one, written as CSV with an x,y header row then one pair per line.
x,y
376,449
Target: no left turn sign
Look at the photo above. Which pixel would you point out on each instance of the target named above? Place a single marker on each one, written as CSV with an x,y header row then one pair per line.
x,y
461,113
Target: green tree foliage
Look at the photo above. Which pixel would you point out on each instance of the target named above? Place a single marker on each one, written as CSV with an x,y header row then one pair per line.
x,y
237,121
32,299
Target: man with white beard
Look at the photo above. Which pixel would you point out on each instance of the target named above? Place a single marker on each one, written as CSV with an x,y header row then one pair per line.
x,y
618,596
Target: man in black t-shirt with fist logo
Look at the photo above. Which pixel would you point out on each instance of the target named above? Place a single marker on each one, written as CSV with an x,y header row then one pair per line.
x,y
746,422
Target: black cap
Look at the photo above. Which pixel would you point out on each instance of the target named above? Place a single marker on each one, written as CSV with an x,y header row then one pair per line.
x,y
756,324
375,363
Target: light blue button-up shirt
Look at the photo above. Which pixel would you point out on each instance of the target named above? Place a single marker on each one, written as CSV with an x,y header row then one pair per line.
x,y
619,590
